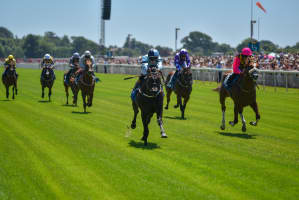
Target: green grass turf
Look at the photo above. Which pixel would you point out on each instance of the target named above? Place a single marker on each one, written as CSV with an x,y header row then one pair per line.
x,y
53,151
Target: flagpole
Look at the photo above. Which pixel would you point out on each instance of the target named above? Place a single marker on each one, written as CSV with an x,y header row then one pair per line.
x,y
251,24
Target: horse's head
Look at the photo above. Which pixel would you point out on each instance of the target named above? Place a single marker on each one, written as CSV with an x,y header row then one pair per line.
x,y
251,73
185,76
47,72
88,66
153,82
11,70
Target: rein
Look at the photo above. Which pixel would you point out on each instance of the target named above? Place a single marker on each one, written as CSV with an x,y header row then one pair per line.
x,y
150,96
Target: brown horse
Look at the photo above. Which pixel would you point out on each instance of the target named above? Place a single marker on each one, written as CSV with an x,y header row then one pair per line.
x,y
86,84
47,80
243,93
72,85
10,79
150,100
182,89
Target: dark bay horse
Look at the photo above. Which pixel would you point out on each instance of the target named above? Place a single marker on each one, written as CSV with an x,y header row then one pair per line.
x,y
10,79
149,100
243,94
182,89
72,85
47,80
86,84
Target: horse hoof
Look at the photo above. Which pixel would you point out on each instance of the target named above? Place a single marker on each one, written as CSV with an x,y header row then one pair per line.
x,y
166,107
145,142
176,106
222,127
163,135
253,123
231,123
244,128
133,126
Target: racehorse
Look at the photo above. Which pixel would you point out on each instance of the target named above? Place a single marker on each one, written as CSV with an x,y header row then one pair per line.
x,y
86,84
8,79
182,88
243,93
72,85
47,80
149,100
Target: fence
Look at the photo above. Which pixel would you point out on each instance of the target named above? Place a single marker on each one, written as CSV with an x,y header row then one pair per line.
x,y
276,78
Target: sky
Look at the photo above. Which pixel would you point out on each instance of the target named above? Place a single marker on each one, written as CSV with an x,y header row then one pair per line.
x,y
154,21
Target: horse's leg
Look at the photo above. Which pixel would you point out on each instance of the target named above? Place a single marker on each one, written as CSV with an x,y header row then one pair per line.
x,y
178,101
160,123
145,127
7,91
135,108
50,92
168,91
13,92
184,106
257,114
84,100
16,87
243,120
43,91
66,87
236,111
223,108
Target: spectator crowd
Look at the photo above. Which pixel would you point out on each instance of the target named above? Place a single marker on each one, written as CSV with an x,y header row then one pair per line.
x,y
280,61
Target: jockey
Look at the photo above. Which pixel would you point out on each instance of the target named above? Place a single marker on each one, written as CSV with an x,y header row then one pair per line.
x,y
149,61
9,61
181,60
74,65
47,62
240,61
82,63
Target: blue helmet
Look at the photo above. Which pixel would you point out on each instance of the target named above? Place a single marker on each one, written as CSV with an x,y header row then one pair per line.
x,y
153,53
76,55
47,56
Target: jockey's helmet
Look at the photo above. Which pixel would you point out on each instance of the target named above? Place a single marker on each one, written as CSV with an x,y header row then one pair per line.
x,y
246,52
10,57
183,54
153,56
87,54
76,55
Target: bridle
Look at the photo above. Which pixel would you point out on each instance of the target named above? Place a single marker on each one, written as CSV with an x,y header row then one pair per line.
x,y
155,76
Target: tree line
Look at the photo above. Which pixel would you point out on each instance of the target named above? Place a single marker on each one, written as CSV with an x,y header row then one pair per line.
x,y
35,46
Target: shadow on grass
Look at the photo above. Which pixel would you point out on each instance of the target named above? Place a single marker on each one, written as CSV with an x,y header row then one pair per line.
x,y
81,113
69,105
140,145
6,100
177,118
43,101
239,135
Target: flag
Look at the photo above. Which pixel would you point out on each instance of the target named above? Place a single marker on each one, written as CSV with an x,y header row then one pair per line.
x,y
260,6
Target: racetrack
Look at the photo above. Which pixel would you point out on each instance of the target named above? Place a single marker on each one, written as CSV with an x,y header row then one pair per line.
x,y
53,151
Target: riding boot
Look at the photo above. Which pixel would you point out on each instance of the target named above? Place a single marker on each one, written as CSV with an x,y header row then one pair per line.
x,y
172,80
138,85
67,76
95,78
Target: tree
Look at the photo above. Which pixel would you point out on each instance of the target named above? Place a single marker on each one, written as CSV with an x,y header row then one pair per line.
x,y
31,46
198,42
5,33
268,46
164,51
